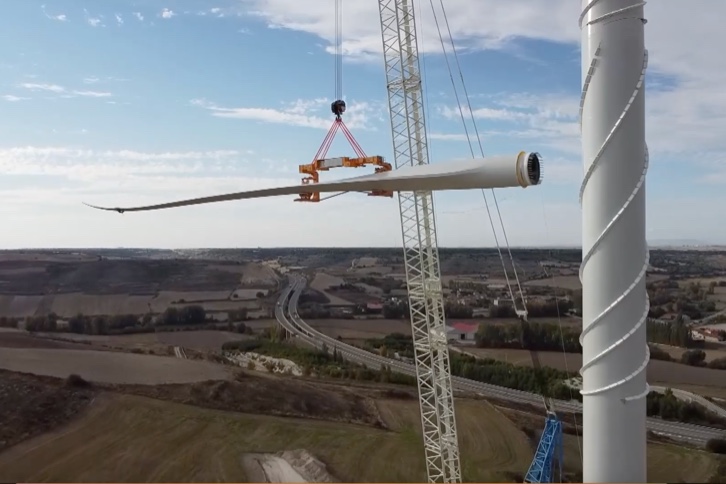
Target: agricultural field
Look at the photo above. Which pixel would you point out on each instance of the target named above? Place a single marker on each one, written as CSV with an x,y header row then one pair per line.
x,y
198,340
703,381
719,292
322,282
355,329
109,366
713,351
37,283
118,431
572,282
121,437
68,305
666,462
13,338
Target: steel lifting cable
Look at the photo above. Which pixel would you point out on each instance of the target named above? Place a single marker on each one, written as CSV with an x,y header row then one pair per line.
x,y
562,333
636,190
468,138
481,149
501,221
338,105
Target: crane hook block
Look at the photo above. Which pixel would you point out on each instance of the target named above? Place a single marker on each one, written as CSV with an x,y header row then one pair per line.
x,y
338,107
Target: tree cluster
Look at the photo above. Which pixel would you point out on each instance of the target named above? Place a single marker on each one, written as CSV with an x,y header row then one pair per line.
x,y
387,284
187,315
551,308
399,310
458,311
486,370
698,358
313,311
391,343
239,314
529,335
489,370
668,407
9,322
673,333
717,446
172,319
395,310
668,297
313,296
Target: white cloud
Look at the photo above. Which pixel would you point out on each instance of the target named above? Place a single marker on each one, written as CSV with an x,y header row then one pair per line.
x,y
119,19
138,16
684,40
42,87
448,136
484,23
92,94
11,98
65,93
167,13
93,21
301,113
58,17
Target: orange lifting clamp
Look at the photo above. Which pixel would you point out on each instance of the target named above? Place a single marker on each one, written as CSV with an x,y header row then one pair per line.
x,y
320,163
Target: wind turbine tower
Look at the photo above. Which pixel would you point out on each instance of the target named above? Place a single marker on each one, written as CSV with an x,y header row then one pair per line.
x,y
615,252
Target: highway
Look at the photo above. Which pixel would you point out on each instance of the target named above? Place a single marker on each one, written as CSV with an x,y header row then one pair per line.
x,y
288,317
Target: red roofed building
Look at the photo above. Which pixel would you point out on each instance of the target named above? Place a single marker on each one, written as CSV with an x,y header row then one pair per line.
x,y
462,332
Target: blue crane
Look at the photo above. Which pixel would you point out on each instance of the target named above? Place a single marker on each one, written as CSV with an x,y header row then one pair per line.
x,y
550,452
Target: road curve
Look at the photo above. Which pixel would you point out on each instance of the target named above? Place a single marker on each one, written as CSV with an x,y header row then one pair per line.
x,y
288,317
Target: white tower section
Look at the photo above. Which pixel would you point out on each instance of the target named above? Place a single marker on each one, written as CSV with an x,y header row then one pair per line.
x,y
615,251
400,50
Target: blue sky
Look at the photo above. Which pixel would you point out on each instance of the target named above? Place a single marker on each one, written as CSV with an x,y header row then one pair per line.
x,y
126,103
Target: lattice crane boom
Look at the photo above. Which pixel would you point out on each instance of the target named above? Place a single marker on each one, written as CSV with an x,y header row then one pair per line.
x,y
420,248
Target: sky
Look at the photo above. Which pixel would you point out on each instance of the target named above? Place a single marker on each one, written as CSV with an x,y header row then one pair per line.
x,y
124,103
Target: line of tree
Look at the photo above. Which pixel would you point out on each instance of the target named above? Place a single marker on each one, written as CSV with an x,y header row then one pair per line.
x,y
698,358
488,370
551,337
540,337
516,377
399,310
391,343
550,308
527,379
668,407
182,318
672,333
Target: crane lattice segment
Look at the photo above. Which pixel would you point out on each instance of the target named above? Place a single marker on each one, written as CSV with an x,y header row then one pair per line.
x,y
549,450
320,163
420,249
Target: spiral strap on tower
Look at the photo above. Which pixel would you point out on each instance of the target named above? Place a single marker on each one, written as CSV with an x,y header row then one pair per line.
x,y
641,275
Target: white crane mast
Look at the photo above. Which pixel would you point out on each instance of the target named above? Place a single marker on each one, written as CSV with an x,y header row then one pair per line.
x,y
421,255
